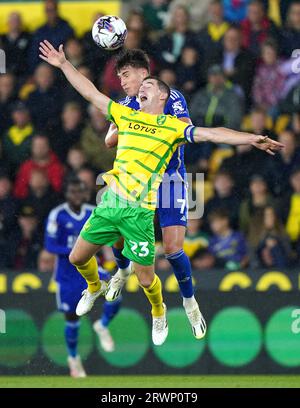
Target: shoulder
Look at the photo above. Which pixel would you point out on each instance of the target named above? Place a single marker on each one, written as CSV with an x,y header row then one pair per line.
x,y
125,101
116,111
56,212
176,104
176,95
88,208
54,220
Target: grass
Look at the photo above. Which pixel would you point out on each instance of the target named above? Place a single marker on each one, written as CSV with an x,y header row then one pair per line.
x,y
148,381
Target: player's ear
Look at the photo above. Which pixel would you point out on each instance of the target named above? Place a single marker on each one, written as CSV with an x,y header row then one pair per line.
x,y
163,96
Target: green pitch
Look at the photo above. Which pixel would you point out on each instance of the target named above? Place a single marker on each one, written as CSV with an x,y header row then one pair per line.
x,y
213,381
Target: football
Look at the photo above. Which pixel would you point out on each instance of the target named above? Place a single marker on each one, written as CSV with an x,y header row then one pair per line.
x,y
109,32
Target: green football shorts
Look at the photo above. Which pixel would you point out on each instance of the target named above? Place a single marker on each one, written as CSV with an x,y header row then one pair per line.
x,y
114,218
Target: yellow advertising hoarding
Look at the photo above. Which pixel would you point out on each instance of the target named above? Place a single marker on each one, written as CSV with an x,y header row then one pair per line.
x,y
79,14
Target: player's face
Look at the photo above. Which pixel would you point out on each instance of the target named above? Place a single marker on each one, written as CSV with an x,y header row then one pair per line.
x,y
131,79
149,93
76,195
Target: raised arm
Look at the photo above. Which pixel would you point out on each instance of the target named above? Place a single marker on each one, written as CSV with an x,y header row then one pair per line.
x,y
84,86
233,137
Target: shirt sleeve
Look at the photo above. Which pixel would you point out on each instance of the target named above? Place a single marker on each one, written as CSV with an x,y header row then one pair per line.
x,y
176,105
52,243
116,111
185,131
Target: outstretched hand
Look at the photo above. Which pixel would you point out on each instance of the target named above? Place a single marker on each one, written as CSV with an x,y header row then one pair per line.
x,y
268,145
49,54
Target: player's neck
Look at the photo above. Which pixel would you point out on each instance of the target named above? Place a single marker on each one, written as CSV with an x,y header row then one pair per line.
x,y
75,209
153,111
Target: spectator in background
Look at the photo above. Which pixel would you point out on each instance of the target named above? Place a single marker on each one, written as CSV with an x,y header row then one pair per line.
x,y
28,240
224,197
110,81
248,161
195,239
44,102
290,104
7,100
16,44
198,11
285,162
168,75
76,160
75,52
257,27
69,94
259,123
41,158
210,38
290,210
252,210
290,37
274,249
92,141
177,37
8,229
46,261
217,104
269,80
227,247
136,23
16,142
189,72
69,132
238,63
87,176
235,11
156,13
55,30
41,197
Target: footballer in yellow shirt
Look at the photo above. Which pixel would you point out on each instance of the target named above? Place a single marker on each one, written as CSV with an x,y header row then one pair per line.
x,y
127,208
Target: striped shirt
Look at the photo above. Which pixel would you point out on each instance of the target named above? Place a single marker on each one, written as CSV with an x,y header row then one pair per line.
x,y
138,171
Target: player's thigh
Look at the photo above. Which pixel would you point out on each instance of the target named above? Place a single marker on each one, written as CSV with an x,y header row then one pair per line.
x,y
172,214
100,228
173,238
83,251
138,231
172,204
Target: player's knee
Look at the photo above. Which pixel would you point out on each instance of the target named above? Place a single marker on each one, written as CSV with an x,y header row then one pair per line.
x,y
171,247
75,259
145,281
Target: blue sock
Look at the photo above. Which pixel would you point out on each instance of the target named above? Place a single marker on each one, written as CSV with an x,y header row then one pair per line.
x,y
110,309
71,337
121,260
183,272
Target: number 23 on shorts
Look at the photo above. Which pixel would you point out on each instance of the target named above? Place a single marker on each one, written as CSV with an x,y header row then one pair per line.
x,y
139,248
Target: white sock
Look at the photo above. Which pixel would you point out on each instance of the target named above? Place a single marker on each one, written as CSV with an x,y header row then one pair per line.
x,y
189,303
124,273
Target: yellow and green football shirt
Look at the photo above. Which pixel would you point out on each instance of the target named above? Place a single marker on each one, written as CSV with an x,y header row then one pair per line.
x,y
146,144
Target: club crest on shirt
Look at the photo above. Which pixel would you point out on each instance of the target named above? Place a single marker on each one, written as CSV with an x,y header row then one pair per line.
x,y
177,107
161,119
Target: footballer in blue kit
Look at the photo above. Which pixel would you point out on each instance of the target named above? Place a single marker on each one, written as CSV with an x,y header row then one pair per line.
x,y
132,68
63,227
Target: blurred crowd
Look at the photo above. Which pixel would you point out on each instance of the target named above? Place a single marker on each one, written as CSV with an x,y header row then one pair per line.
x,y
238,64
